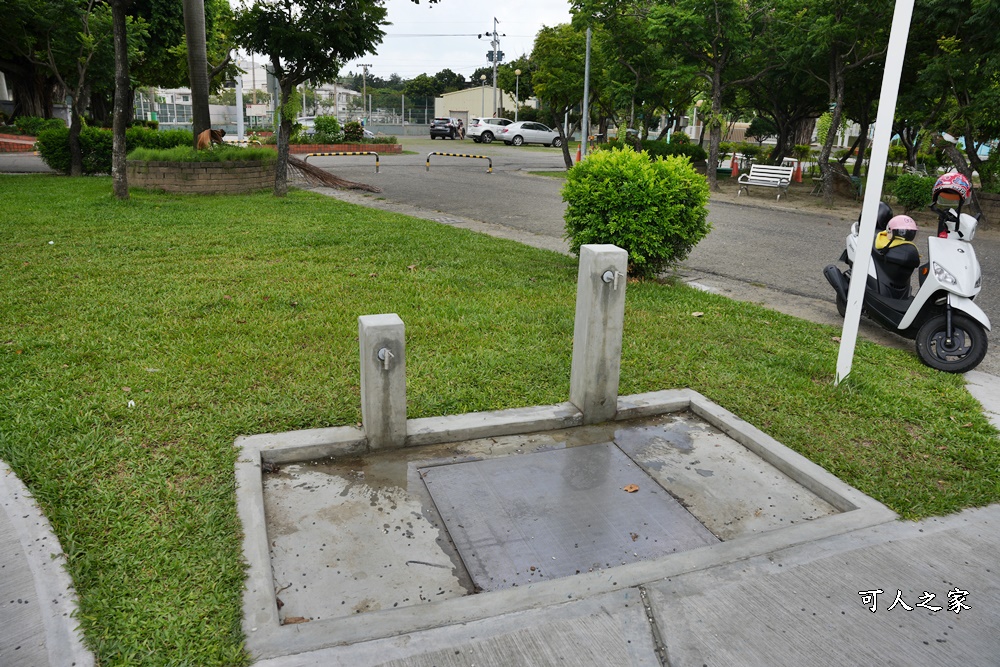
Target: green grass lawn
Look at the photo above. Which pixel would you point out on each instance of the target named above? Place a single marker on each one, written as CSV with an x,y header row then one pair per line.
x,y
138,340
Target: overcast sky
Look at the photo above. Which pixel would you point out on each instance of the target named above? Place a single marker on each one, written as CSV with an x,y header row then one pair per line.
x,y
427,38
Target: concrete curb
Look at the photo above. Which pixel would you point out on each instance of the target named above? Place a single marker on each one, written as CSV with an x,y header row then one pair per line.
x,y
36,571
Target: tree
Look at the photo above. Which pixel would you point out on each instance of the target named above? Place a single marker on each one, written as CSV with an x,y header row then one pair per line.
x,y
559,55
833,38
965,67
73,50
31,81
449,81
306,41
421,86
716,37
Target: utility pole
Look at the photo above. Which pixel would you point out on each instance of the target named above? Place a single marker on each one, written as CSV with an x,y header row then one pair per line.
x,y
364,93
495,56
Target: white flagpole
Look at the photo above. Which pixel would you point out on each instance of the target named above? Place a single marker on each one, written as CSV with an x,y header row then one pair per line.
x,y
873,187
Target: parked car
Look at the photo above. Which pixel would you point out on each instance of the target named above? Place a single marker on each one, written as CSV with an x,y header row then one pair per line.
x,y
444,127
485,130
530,132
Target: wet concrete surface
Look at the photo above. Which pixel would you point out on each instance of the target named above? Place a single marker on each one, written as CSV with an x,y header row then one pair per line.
x,y
360,534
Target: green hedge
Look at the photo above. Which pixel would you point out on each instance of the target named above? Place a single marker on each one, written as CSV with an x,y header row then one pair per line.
x,y
32,126
654,209
96,143
655,149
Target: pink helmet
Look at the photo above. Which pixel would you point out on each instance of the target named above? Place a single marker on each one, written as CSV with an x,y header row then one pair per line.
x,y
902,226
953,188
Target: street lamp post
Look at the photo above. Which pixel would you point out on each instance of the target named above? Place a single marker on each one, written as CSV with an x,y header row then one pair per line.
x,y
482,80
517,92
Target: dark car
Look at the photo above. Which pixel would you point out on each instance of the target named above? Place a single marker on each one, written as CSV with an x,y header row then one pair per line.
x,y
444,128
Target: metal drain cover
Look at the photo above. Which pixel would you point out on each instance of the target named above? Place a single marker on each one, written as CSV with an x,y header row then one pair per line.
x,y
527,518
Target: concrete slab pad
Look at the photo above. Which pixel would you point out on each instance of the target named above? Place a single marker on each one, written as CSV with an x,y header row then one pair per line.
x,y
374,512
517,520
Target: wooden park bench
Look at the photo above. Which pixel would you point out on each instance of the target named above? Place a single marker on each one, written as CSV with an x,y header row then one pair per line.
x,y
767,176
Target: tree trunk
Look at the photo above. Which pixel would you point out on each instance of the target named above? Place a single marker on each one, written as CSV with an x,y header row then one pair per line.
x,y
715,130
119,174
837,97
194,27
567,158
284,134
30,88
75,149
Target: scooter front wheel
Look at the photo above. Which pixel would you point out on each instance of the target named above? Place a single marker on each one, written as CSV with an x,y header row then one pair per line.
x,y
963,353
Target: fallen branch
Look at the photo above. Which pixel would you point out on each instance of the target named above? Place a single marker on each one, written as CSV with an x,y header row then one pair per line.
x,y
317,176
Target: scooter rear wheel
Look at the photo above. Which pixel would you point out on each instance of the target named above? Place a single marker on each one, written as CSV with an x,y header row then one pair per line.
x,y
967,348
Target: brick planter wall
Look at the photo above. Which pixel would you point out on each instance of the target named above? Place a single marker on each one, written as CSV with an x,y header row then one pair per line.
x,y
16,143
202,177
989,203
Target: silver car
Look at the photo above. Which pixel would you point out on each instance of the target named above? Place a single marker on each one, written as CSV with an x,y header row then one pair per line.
x,y
530,132
485,130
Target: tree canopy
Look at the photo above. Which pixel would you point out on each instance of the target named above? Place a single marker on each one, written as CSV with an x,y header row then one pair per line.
x,y
308,40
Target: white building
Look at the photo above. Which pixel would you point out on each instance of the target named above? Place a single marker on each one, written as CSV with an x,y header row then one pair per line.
x,y
472,103
172,106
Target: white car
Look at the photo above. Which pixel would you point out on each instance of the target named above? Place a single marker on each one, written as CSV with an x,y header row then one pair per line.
x,y
530,132
485,130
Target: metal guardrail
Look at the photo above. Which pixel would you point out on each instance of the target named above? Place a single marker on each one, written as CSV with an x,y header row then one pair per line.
x,y
309,155
480,157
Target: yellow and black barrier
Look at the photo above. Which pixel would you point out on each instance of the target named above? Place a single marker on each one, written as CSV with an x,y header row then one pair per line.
x,y
481,157
309,155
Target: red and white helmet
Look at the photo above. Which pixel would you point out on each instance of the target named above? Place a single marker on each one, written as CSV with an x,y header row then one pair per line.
x,y
902,226
952,189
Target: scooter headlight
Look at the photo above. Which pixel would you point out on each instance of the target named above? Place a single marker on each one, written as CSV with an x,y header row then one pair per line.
x,y
942,275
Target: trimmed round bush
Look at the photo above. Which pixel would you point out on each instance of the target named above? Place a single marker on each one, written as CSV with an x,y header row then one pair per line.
x,y
653,209
913,192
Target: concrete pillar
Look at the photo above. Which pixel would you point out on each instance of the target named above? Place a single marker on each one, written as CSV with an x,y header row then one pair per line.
x,y
383,380
597,333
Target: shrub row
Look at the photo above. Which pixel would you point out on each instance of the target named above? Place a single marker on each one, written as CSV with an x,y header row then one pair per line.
x,y
32,125
189,154
95,143
655,149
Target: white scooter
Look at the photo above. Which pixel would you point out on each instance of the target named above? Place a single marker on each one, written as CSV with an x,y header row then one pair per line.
x,y
948,327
